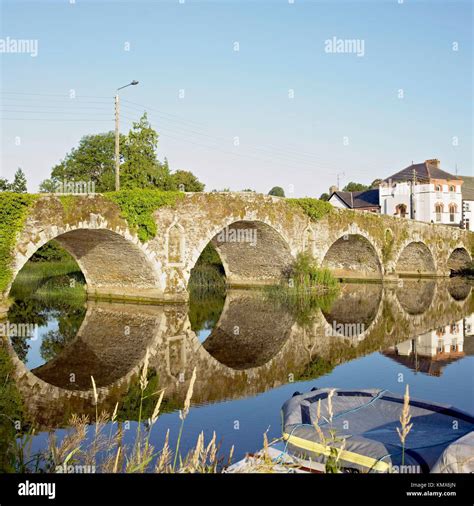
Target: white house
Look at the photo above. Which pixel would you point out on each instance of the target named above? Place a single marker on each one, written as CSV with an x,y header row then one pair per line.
x,y
432,351
468,202
423,192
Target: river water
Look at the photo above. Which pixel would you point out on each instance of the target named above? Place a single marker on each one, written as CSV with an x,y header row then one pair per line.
x,y
251,353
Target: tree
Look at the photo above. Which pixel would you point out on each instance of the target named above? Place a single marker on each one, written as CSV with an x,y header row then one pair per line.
x,y
355,187
92,160
141,168
375,183
4,185
324,196
277,191
187,181
48,186
249,190
19,182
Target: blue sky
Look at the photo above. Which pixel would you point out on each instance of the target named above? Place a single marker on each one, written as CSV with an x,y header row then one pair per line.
x,y
298,142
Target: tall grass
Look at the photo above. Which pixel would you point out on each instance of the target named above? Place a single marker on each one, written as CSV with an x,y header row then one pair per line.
x,y
106,452
49,281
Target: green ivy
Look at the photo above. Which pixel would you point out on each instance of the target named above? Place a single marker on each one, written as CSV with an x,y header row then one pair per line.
x,y
14,209
314,208
138,206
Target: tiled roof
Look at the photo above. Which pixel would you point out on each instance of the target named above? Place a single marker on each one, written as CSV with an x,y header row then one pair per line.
x,y
357,200
424,172
467,188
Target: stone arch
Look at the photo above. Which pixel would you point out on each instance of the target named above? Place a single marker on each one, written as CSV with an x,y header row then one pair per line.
x,y
458,259
355,310
263,329
353,255
459,288
114,263
101,348
252,252
415,257
416,296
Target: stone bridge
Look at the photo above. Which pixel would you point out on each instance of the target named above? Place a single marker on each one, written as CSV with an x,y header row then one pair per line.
x,y
270,349
256,236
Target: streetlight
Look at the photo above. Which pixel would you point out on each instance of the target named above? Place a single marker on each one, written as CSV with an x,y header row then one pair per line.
x,y
117,135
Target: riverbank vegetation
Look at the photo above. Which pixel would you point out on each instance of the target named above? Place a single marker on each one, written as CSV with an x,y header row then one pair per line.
x,y
305,288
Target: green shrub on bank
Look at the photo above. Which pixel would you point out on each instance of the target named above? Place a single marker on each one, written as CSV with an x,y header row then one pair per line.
x,y
13,213
314,208
138,206
305,275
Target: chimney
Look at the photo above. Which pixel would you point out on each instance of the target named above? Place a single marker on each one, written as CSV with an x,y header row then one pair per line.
x,y
435,162
333,189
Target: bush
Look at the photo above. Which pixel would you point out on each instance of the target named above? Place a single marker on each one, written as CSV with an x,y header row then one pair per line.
x,y
314,208
137,207
13,212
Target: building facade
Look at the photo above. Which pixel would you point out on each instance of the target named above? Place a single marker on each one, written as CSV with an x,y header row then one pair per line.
x,y
468,202
423,192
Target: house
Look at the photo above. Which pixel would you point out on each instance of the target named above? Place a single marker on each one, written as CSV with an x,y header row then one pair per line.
x,y
367,200
468,202
432,351
424,192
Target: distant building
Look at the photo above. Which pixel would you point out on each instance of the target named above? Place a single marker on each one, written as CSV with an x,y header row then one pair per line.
x,y
432,351
423,192
468,202
367,200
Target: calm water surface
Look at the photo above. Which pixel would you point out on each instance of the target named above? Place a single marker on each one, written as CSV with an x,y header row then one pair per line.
x,y
250,352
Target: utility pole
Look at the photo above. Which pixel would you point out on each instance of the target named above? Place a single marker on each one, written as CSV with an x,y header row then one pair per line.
x,y
117,142
412,200
117,134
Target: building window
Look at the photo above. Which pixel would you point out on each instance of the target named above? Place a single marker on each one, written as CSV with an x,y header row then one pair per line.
x,y
452,188
438,188
439,211
452,212
401,210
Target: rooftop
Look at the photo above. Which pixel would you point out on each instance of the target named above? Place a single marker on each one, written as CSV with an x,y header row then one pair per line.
x,y
424,172
358,200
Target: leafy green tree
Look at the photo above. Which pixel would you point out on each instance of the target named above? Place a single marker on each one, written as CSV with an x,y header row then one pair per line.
x,y
48,186
187,181
92,160
277,191
19,182
375,183
141,168
324,196
4,185
355,187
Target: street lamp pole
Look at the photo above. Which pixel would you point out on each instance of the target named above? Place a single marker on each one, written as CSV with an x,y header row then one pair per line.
x,y
117,134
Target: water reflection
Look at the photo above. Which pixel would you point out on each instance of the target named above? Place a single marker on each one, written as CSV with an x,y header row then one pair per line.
x,y
240,343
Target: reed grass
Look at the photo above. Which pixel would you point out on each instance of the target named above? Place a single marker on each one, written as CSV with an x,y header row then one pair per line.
x,y
405,425
107,452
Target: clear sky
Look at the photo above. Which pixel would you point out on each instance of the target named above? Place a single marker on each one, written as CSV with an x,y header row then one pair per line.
x,y
299,114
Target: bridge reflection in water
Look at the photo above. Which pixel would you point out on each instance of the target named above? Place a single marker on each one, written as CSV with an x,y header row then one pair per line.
x,y
243,345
